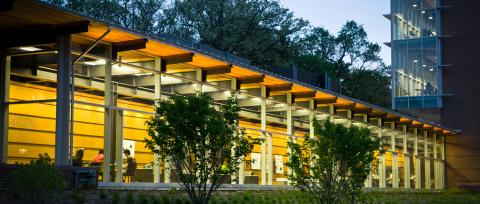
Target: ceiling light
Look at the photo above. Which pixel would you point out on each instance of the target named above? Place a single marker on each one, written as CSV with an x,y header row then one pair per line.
x,y
415,61
430,17
143,74
96,62
29,49
424,65
431,69
414,5
423,11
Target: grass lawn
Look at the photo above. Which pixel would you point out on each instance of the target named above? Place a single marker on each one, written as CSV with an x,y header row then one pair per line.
x,y
264,197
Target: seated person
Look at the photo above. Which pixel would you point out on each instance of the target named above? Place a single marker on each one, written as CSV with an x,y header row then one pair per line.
x,y
99,158
78,158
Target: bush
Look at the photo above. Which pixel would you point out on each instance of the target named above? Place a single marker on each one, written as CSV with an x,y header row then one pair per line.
x,y
38,181
142,199
129,198
78,198
116,197
102,195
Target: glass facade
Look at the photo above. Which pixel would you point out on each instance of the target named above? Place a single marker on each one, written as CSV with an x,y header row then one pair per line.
x,y
415,54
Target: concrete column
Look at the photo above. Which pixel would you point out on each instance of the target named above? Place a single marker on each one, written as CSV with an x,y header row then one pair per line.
x,y
270,158
418,170
198,78
427,161
406,160
63,101
290,130
158,97
436,168
119,146
108,115
312,117
5,65
368,181
263,118
381,166
395,176
241,167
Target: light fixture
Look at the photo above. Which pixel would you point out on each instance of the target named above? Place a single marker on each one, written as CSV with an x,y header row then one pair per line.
x,y
431,69
96,62
30,49
414,5
143,74
430,17
423,11
424,65
415,61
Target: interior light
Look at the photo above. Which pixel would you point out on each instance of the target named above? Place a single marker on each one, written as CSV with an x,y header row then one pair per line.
x,y
424,65
96,62
29,49
431,69
415,61
414,5
143,74
423,11
430,17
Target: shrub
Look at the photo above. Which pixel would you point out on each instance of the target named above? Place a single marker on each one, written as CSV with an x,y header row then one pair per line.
x,y
116,198
102,195
142,199
129,198
38,181
78,198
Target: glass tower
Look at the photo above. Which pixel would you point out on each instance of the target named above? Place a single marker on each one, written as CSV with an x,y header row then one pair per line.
x,y
416,55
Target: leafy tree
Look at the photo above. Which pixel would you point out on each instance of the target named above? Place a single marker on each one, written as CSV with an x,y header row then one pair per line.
x,y
201,142
332,165
369,85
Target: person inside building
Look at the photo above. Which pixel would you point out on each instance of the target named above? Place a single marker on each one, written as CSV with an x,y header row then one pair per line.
x,y
99,158
78,158
130,166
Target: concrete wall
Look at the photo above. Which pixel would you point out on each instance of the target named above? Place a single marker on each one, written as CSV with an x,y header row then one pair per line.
x,y
461,49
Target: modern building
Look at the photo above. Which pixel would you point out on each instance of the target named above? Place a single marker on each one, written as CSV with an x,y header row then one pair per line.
x,y
72,82
435,75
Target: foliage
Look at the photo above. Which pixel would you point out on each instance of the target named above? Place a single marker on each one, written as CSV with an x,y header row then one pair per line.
x,y
202,143
369,85
332,165
38,181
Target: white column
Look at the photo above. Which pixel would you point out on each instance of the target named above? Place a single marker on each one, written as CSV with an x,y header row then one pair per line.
x,y
312,117
418,169
368,181
442,164
5,65
62,132
119,146
381,168
436,172
395,176
427,160
290,132
270,158
108,115
158,97
241,167
406,160
263,118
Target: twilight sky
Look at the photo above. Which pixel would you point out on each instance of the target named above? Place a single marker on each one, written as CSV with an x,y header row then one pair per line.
x,y
332,14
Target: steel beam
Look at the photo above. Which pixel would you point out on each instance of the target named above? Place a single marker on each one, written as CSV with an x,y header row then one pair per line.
x,y
63,101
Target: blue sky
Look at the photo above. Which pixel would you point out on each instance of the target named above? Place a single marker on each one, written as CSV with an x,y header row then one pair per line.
x,y
332,14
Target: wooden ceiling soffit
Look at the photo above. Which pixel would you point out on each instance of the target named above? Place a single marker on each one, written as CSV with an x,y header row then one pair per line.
x,y
41,34
250,80
362,111
299,95
222,69
279,87
378,115
175,59
329,100
128,45
6,5
346,106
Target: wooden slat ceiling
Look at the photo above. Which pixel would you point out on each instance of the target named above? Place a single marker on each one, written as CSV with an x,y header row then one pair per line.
x,y
33,13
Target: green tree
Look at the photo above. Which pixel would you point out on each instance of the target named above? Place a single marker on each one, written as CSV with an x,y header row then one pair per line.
x,y
332,165
201,142
369,85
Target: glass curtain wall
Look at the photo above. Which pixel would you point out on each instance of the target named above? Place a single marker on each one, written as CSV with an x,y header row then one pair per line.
x,y
415,53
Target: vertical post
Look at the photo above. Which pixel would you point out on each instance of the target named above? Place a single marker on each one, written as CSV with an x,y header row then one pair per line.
x,y
199,79
263,118
312,107
435,162
418,170
63,100
108,114
442,165
241,168
5,63
427,160
119,146
395,177
382,169
406,160
158,96
368,181
270,158
290,125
